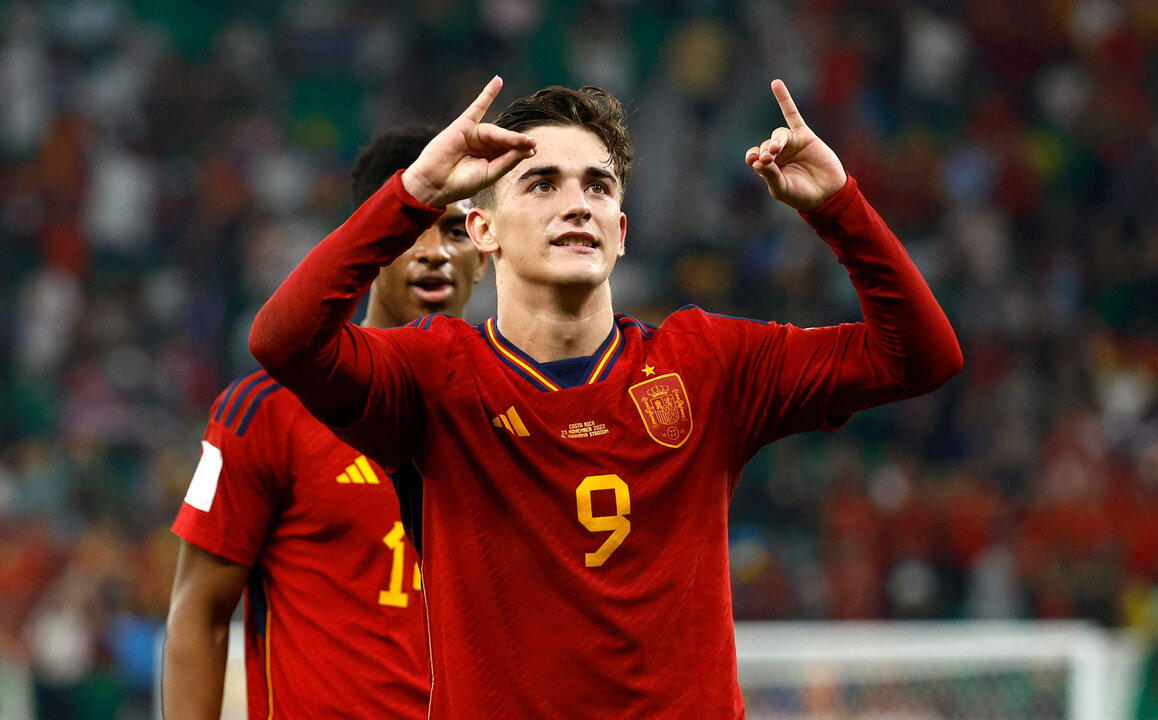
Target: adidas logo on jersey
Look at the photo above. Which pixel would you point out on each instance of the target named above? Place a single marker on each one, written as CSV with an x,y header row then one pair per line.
x,y
511,421
360,473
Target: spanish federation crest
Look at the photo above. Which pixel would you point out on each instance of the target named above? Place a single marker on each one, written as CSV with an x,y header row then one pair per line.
x,y
664,406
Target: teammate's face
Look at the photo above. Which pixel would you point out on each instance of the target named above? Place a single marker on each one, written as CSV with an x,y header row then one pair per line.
x,y
556,218
437,274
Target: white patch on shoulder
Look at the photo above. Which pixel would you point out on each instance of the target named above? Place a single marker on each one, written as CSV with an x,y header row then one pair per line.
x,y
204,484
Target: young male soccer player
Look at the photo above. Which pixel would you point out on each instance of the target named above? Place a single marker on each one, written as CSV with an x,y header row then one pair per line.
x,y
311,528
576,465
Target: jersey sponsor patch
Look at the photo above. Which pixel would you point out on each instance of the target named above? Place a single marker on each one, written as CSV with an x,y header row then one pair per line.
x,y
203,486
665,409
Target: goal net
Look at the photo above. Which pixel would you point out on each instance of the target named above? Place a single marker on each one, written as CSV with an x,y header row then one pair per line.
x,y
930,671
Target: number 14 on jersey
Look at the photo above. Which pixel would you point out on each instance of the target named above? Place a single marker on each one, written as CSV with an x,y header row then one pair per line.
x,y
396,595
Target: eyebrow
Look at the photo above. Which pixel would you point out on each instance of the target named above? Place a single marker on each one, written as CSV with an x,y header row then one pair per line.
x,y
548,171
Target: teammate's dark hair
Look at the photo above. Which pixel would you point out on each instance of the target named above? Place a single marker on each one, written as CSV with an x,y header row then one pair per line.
x,y
590,108
386,154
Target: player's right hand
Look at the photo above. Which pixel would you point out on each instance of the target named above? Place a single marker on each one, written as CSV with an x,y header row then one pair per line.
x,y
466,156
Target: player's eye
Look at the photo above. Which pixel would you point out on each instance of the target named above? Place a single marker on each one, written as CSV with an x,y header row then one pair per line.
x,y
541,186
458,232
598,188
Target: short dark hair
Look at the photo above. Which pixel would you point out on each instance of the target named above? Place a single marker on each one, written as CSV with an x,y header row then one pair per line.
x,y
589,107
386,154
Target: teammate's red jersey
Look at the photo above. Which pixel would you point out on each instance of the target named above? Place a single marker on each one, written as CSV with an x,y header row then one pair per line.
x,y
574,538
334,616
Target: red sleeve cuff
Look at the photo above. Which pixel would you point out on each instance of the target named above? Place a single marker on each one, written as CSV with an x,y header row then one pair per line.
x,y
828,213
212,542
377,217
405,196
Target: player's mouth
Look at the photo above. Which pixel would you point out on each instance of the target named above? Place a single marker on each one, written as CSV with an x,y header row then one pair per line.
x,y
580,242
433,288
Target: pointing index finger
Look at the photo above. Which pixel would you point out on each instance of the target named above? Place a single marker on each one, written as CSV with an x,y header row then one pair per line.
x,y
482,103
787,106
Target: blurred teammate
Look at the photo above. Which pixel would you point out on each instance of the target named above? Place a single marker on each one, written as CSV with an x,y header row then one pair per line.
x,y
309,527
576,465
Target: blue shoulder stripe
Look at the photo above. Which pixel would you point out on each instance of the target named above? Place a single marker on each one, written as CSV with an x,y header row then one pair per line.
x,y
239,400
225,399
253,408
424,322
232,389
645,328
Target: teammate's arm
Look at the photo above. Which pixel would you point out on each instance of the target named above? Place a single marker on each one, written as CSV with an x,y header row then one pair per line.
x,y
906,345
205,593
302,336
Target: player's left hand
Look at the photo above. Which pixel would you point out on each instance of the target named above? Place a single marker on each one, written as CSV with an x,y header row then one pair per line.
x,y
800,170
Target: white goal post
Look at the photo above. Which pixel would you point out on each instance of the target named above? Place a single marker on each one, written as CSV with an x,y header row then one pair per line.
x,y
956,670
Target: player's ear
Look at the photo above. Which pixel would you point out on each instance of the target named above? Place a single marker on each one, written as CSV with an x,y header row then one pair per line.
x,y
479,225
622,235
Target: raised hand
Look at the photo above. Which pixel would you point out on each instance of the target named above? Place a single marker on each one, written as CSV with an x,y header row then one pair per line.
x,y
467,155
800,170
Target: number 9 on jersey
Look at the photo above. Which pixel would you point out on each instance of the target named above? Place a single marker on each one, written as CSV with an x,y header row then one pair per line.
x,y
617,524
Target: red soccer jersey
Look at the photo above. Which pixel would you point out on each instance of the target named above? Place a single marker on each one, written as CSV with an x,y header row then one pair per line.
x,y
575,543
334,616
575,538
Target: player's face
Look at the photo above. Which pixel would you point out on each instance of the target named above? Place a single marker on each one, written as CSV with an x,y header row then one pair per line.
x,y
556,219
437,274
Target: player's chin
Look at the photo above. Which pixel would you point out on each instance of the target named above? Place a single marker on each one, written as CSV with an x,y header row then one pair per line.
x,y
592,272
586,277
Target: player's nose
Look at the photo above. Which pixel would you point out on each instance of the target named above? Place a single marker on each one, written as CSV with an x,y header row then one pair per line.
x,y
575,202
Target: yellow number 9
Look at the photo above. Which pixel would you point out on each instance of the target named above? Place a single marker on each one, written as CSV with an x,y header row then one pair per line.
x,y
618,524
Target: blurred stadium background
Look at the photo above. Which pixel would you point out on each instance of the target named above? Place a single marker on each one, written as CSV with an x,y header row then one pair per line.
x,y
166,163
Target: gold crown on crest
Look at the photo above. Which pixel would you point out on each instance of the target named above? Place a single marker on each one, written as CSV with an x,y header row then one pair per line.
x,y
657,390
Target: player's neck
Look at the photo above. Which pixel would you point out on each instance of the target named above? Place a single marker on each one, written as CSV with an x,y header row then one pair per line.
x,y
556,325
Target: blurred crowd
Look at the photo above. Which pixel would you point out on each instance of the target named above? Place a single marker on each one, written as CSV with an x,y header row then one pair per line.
x,y
166,164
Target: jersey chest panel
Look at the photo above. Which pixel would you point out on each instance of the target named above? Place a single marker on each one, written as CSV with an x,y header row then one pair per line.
x,y
580,523
655,423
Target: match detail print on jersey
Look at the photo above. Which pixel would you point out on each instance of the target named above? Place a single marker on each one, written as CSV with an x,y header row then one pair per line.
x,y
665,409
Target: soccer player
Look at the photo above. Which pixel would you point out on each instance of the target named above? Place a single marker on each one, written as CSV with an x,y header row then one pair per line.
x,y
575,465
309,527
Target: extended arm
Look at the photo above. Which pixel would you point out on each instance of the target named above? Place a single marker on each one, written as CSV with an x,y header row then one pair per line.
x,y
302,336
205,592
906,346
